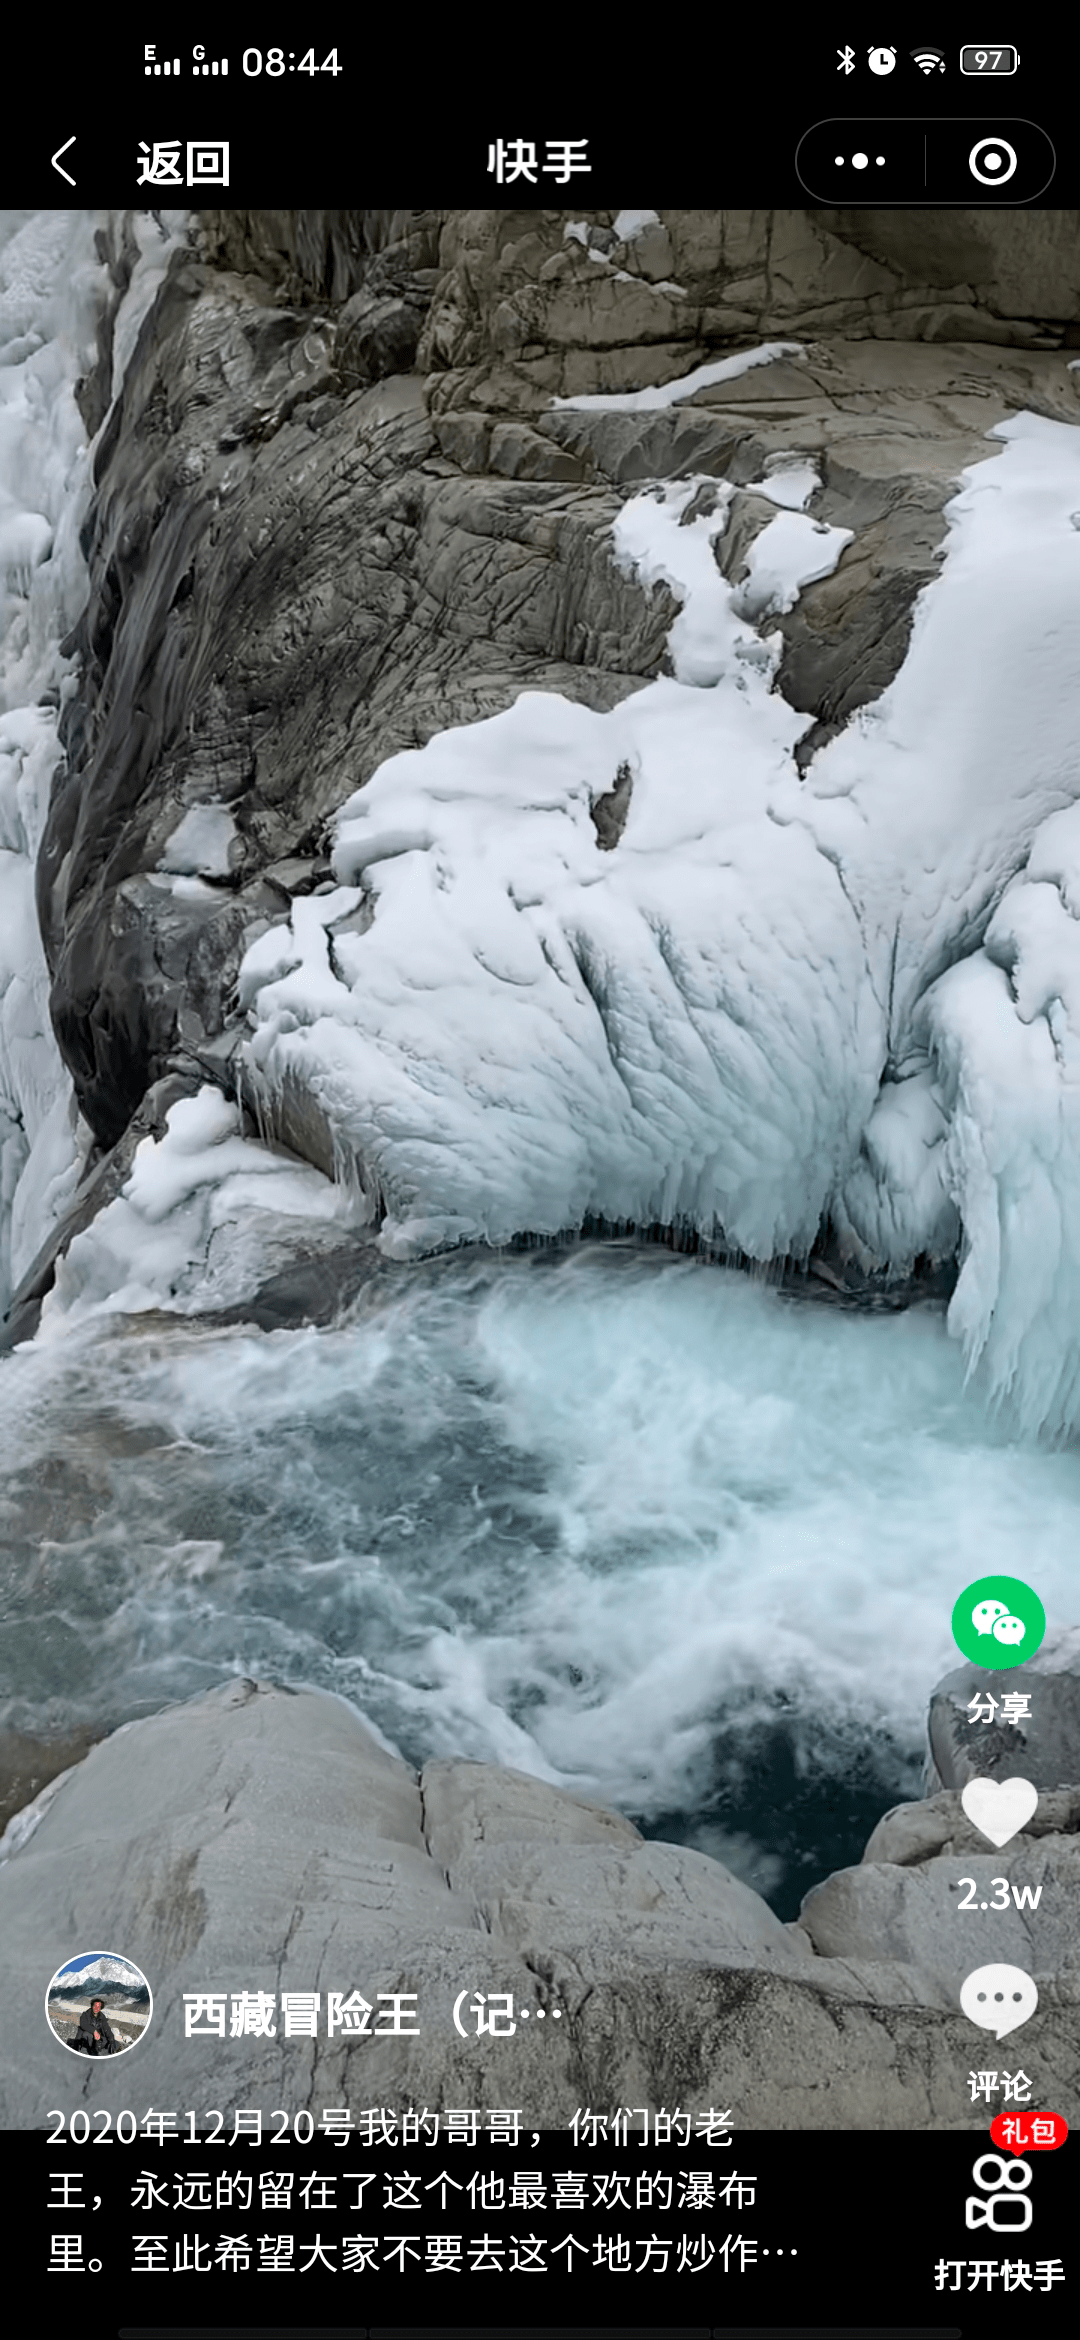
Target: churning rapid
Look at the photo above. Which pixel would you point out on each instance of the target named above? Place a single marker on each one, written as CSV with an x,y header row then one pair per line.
x,y
631,1521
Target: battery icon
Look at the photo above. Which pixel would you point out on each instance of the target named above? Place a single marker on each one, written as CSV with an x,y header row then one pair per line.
x,y
989,60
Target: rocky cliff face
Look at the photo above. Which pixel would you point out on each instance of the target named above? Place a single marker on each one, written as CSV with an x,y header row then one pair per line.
x,y
336,511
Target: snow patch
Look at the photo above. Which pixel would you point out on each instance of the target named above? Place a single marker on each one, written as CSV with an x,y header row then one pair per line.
x,y
156,246
655,541
199,846
790,480
25,541
791,552
670,393
148,1248
896,1203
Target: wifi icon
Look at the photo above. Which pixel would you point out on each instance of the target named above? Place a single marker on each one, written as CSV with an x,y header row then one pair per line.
x,y
929,60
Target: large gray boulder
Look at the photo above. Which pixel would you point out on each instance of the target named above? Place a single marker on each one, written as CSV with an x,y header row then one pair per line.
x,y
1044,1747
928,1895
261,1840
931,1891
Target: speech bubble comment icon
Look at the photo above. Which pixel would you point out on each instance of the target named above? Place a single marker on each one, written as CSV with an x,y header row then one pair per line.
x,y
1010,1629
998,1998
985,1614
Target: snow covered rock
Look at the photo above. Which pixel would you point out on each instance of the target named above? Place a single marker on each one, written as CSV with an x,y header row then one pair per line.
x,y
363,670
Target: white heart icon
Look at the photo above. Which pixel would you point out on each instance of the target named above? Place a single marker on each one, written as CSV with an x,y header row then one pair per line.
x,y
999,1808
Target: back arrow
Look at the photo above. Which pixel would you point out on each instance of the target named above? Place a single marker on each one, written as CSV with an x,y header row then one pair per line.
x,y
56,160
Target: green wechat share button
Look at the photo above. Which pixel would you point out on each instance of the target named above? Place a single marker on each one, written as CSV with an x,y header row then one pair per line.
x,y
998,1621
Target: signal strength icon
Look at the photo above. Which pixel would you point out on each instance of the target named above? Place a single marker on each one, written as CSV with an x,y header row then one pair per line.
x,y
929,60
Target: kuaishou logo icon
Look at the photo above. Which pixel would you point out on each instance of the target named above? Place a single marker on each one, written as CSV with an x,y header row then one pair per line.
x,y
998,1621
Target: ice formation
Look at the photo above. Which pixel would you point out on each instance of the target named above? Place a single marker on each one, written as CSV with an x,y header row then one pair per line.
x,y
778,998
196,1197
139,1252
50,283
46,265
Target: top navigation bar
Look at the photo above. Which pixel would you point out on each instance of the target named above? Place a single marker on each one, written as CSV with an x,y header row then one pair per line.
x,y
263,120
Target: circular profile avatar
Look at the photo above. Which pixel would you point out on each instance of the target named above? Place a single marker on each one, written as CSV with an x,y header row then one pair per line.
x,y
99,2004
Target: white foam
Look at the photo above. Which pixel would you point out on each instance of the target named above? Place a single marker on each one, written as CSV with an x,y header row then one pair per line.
x,y
599,1518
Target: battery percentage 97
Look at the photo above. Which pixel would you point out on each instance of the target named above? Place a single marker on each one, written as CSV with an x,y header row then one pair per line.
x,y
999,60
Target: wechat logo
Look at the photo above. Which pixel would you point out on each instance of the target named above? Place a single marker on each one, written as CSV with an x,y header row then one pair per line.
x,y
996,1617
998,1621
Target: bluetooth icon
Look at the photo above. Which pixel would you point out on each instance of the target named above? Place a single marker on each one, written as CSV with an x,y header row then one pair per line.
x,y
847,60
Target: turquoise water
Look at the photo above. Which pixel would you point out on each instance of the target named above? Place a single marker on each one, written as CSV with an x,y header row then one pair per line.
x,y
634,1523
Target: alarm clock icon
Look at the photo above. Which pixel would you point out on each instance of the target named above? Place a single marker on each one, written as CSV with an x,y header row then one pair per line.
x,y
882,60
